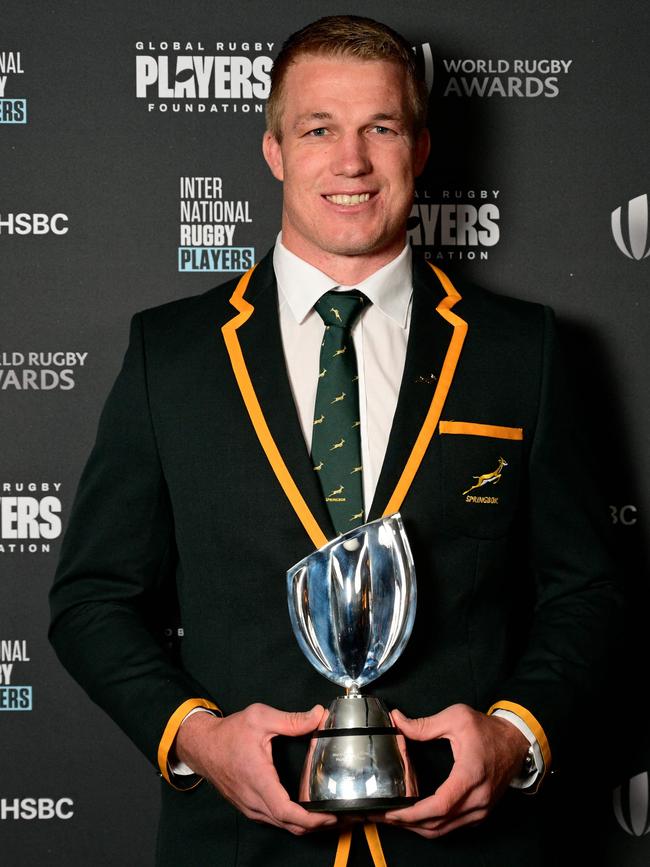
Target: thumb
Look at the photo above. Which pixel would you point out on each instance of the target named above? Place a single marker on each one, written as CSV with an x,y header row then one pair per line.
x,y
296,723
421,729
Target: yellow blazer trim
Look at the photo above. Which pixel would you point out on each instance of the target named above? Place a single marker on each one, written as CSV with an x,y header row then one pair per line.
x,y
171,730
229,330
343,849
532,724
242,376
440,394
374,844
481,430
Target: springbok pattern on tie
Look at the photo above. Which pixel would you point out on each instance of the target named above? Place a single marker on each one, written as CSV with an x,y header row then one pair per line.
x,y
336,434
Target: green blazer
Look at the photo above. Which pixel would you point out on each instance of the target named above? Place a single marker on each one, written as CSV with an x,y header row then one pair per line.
x,y
185,501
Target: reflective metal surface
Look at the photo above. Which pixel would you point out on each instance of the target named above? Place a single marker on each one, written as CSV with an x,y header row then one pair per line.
x,y
367,769
352,603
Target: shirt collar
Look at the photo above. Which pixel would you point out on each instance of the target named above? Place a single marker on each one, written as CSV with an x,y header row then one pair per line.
x,y
301,284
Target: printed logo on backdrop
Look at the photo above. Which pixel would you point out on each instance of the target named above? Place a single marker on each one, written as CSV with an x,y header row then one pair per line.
x,y
33,224
453,225
172,637
630,803
36,808
13,109
208,225
29,517
424,57
203,77
625,516
630,228
40,371
502,77
15,695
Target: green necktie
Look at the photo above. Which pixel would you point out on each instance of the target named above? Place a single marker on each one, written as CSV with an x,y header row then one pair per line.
x,y
336,438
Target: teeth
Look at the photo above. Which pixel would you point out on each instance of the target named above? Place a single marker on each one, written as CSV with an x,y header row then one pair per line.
x,y
348,200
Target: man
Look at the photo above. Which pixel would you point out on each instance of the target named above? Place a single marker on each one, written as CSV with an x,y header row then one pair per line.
x,y
201,478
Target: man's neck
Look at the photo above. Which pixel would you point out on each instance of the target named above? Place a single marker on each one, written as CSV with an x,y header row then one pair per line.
x,y
344,270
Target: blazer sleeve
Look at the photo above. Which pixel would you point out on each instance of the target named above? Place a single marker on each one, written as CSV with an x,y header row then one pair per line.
x,y
117,555
562,674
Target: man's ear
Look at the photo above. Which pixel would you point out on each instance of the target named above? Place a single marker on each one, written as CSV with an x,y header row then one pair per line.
x,y
273,155
421,152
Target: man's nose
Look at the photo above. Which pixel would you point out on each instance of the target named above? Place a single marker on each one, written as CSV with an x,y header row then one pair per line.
x,y
350,156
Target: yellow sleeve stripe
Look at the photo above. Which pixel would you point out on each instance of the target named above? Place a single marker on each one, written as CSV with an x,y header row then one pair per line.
x,y
532,724
481,430
171,730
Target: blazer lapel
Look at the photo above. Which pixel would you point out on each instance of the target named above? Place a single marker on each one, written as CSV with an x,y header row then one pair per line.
x,y
254,342
435,342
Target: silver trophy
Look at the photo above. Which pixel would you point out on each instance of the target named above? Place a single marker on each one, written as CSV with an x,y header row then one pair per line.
x,y
352,607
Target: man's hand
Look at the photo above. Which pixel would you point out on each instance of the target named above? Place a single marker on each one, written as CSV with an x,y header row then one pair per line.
x,y
488,753
234,753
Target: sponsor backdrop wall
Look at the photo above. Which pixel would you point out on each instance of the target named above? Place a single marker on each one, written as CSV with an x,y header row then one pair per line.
x,y
131,175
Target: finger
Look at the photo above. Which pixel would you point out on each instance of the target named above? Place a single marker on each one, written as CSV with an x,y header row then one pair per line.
x,y
439,829
293,723
468,815
264,819
292,813
448,799
458,786
282,809
423,810
421,729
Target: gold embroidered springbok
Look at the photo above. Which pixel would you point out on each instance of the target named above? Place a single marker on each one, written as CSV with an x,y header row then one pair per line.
x,y
488,478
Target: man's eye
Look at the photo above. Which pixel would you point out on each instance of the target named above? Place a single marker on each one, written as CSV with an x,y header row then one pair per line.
x,y
319,132
382,130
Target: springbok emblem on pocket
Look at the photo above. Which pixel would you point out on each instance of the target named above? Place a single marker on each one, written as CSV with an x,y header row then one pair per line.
x,y
488,478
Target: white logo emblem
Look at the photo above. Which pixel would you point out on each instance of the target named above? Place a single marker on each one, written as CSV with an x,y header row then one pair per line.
x,y
633,817
425,55
637,228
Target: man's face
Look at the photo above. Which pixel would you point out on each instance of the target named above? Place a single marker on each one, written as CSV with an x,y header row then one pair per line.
x,y
348,158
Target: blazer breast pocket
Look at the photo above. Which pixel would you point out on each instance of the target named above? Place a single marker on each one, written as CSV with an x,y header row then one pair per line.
x,y
481,467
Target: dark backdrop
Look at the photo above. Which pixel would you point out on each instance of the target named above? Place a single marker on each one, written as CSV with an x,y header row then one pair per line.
x,y
540,126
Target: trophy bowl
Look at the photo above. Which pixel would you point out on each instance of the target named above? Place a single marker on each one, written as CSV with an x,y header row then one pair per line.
x,y
352,607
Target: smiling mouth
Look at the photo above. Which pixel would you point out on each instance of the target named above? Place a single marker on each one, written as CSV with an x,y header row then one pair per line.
x,y
344,199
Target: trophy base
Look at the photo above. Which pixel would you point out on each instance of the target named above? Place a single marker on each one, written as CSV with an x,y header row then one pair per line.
x,y
357,805
357,761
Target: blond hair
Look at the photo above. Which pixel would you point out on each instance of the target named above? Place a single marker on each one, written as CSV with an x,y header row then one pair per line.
x,y
347,36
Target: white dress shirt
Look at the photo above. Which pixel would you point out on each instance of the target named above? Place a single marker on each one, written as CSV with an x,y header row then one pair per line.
x,y
380,337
